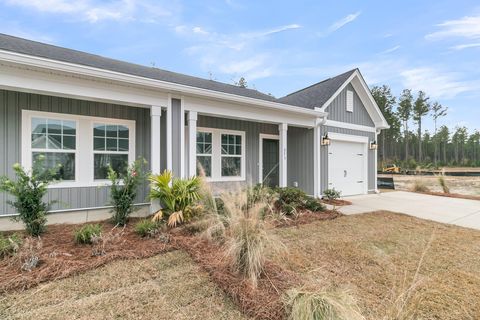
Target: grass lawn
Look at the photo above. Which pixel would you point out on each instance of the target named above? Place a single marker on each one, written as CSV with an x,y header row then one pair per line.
x,y
167,286
376,255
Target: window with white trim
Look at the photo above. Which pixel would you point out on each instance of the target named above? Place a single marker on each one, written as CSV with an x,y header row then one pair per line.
x,y
221,154
81,147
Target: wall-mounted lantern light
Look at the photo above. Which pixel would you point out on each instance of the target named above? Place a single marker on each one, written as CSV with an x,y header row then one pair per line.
x,y
373,145
325,140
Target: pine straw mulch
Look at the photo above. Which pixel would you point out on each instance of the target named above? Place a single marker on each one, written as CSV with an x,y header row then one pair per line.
x,y
61,257
306,217
452,195
337,202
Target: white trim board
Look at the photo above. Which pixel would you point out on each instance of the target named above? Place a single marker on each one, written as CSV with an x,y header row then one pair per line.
x,y
346,125
260,153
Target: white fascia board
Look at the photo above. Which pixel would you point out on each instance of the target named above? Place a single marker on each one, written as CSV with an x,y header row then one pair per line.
x,y
326,104
352,126
248,113
76,69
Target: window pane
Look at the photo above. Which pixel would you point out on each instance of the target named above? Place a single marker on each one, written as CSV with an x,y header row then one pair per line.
x,y
238,140
69,142
208,148
204,163
122,132
99,130
122,144
200,137
64,163
112,145
54,141
231,166
54,126
119,163
231,139
39,141
224,139
112,131
238,150
69,127
200,148
208,137
39,125
99,144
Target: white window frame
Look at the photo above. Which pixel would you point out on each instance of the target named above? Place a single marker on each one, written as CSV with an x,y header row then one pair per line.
x,y
84,153
217,154
349,100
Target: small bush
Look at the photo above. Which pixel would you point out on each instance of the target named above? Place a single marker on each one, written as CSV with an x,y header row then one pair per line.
x,y
290,200
420,186
331,194
146,227
29,190
314,204
10,245
123,194
335,305
85,234
443,184
29,253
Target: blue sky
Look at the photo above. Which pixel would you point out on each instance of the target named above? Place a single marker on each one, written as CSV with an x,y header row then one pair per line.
x,y
278,47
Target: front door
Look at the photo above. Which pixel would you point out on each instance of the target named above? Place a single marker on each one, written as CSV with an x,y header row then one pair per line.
x,y
270,162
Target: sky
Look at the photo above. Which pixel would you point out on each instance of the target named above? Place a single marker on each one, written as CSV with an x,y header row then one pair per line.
x,y
278,46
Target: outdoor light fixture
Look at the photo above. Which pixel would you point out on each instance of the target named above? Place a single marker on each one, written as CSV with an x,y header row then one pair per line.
x,y
325,140
373,145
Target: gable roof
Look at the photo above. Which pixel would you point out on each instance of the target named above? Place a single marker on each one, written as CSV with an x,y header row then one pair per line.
x,y
316,95
42,50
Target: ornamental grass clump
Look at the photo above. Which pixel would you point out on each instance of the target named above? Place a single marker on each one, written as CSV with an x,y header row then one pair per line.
x,y
319,305
420,186
29,190
147,228
123,191
85,234
9,245
443,184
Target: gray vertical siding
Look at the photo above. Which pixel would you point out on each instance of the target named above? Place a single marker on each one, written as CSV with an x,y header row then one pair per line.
x,y
177,127
337,110
252,135
11,105
300,158
324,156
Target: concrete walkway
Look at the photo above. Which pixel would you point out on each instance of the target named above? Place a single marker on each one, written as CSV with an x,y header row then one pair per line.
x,y
462,212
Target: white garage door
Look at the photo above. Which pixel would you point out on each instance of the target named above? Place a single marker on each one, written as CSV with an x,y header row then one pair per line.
x,y
347,167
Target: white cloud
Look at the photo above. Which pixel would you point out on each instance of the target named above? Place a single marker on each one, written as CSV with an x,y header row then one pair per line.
x,y
342,22
271,31
390,50
465,46
200,30
436,83
95,11
466,27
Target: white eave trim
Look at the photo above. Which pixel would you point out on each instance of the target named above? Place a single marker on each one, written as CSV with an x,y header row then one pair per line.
x,y
351,126
77,69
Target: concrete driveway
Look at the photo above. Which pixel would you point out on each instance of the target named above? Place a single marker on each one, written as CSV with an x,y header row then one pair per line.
x,y
462,212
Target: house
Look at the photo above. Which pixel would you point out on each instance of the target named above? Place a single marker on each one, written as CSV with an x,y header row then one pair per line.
x,y
86,112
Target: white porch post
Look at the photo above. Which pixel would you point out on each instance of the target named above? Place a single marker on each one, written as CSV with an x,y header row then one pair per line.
x,y
155,117
183,173
376,160
282,128
169,136
316,159
192,147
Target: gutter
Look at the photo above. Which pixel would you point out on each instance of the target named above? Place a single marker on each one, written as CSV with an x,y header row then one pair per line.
x,y
77,69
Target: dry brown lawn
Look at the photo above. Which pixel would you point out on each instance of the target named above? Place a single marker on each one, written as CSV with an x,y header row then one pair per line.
x,y
167,286
376,255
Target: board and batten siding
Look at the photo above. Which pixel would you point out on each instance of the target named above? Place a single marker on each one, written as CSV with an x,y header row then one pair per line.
x,y
11,105
372,184
337,109
300,158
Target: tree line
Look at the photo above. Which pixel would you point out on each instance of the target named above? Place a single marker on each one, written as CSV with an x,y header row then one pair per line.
x,y
406,144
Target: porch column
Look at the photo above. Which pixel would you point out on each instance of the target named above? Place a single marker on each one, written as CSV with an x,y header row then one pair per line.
x,y
192,145
169,136
155,117
282,128
317,136
377,132
183,173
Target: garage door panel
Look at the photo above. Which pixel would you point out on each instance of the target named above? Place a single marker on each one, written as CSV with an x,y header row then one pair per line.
x,y
346,167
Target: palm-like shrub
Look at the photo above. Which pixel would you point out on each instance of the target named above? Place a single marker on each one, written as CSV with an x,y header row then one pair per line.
x,y
177,197
29,189
124,191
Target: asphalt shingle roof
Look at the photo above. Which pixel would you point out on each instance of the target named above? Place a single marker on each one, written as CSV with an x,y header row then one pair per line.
x,y
317,94
310,97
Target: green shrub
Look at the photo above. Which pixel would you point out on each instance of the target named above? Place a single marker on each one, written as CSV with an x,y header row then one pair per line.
x,y
9,245
146,227
331,194
334,304
177,196
314,204
290,200
87,232
124,191
29,190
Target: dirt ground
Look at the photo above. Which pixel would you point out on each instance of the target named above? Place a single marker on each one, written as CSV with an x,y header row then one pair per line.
x,y
376,255
460,185
167,286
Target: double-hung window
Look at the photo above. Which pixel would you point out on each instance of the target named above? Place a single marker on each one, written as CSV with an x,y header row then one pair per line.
x,y
221,154
79,148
